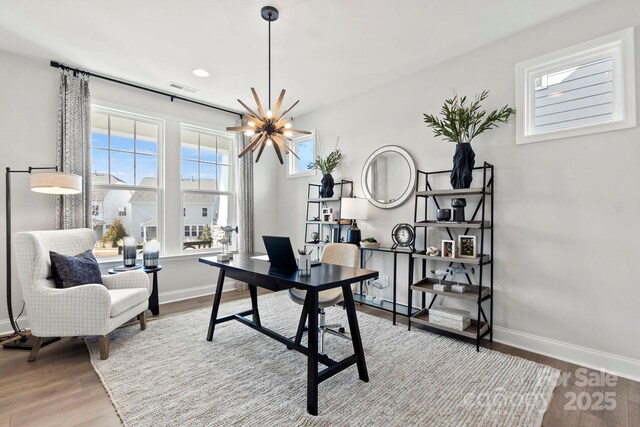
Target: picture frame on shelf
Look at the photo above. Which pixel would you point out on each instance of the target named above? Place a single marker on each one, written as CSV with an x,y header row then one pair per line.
x,y
467,246
448,248
327,215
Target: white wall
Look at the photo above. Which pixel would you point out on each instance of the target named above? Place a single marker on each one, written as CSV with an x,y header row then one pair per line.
x,y
567,217
28,115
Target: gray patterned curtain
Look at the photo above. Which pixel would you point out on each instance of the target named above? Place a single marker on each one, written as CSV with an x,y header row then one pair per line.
x,y
74,149
245,195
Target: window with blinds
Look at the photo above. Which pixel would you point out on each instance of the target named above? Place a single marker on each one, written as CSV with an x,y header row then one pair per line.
x,y
583,89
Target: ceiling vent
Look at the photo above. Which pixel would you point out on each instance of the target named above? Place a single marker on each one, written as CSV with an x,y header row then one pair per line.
x,y
183,87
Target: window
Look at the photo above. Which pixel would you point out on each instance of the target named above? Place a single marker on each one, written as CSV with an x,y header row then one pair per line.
x,y
305,148
187,231
207,185
579,90
95,209
125,159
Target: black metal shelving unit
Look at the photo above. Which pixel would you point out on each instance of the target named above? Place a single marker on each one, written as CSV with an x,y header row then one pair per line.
x,y
481,286
315,203
393,306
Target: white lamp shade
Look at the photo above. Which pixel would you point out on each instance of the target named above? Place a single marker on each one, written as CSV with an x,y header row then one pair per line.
x,y
56,183
353,208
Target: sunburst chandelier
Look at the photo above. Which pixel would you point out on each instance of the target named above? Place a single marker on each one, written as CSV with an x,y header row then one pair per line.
x,y
270,127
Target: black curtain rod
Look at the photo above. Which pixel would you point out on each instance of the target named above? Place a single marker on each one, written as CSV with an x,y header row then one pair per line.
x,y
173,97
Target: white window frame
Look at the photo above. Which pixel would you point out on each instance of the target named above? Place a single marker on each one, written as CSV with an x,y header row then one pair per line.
x,y
230,194
102,109
619,46
292,161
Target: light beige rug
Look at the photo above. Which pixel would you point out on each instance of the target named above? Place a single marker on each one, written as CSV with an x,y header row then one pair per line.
x,y
169,375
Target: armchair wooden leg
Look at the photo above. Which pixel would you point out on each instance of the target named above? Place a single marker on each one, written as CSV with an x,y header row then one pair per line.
x,y
143,320
35,349
104,346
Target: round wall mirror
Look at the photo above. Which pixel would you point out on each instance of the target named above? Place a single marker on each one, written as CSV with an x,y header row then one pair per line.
x,y
388,177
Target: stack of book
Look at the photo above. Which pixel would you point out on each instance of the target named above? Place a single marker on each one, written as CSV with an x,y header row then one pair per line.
x,y
450,317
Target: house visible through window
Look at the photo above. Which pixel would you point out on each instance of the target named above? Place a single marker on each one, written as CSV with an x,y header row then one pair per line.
x,y
207,185
125,159
583,89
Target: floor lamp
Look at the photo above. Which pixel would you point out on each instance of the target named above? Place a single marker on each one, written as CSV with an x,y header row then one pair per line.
x,y
46,180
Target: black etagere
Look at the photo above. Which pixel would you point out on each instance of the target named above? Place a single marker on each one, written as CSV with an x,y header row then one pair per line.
x,y
315,204
478,271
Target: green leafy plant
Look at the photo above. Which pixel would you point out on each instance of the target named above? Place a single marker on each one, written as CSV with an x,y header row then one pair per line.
x,y
462,121
327,164
370,240
114,234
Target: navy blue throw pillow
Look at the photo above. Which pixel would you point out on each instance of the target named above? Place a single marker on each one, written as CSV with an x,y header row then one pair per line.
x,y
69,271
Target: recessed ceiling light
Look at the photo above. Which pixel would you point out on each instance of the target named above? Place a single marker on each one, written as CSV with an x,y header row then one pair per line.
x,y
200,72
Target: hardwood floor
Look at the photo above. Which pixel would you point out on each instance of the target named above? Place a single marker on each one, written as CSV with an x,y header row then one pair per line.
x,y
61,388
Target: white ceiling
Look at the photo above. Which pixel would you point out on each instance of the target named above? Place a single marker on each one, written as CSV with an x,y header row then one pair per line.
x,y
322,50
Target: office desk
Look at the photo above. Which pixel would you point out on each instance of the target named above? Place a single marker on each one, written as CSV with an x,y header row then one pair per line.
x,y
325,276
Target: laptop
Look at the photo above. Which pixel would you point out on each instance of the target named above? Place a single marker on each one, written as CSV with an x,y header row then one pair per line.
x,y
280,254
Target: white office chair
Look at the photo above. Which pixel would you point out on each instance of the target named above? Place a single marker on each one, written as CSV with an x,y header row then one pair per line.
x,y
344,254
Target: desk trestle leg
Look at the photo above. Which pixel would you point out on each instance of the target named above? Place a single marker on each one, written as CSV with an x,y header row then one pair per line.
x,y
312,363
355,332
216,304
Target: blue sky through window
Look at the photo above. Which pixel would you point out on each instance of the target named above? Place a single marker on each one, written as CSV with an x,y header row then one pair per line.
x,y
305,152
122,162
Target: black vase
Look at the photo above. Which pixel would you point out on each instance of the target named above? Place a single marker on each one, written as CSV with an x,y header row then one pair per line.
x,y
326,190
463,161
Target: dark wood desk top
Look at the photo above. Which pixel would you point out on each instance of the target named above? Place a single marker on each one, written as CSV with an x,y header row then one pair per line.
x,y
322,277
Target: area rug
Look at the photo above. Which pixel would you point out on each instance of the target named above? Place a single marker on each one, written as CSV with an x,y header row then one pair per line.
x,y
169,375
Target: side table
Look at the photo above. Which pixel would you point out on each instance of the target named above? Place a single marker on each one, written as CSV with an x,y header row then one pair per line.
x,y
154,305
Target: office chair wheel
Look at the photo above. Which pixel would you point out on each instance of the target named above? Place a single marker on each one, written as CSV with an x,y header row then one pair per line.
x,y
341,330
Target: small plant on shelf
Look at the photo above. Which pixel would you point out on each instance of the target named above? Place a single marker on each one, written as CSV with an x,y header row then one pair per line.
x,y
326,165
370,242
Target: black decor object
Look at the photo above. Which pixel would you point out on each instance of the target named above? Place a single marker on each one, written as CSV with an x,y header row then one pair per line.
x,y
458,206
327,185
464,160
354,235
443,214
69,271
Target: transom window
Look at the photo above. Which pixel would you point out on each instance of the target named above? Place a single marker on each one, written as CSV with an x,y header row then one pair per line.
x,y
582,89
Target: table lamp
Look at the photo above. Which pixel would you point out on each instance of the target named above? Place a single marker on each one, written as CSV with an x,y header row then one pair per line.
x,y
354,209
46,180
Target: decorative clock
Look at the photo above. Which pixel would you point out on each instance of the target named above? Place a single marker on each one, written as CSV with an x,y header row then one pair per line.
x,y
403,235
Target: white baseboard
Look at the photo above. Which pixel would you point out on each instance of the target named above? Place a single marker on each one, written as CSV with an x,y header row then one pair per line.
x,y
594,359
197,291
164,297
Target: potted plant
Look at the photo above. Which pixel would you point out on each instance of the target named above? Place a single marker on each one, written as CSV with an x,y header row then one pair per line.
x,y
370,242
460,123
326,165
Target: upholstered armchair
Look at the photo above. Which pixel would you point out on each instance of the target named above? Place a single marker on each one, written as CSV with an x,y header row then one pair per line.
x,y
92,309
